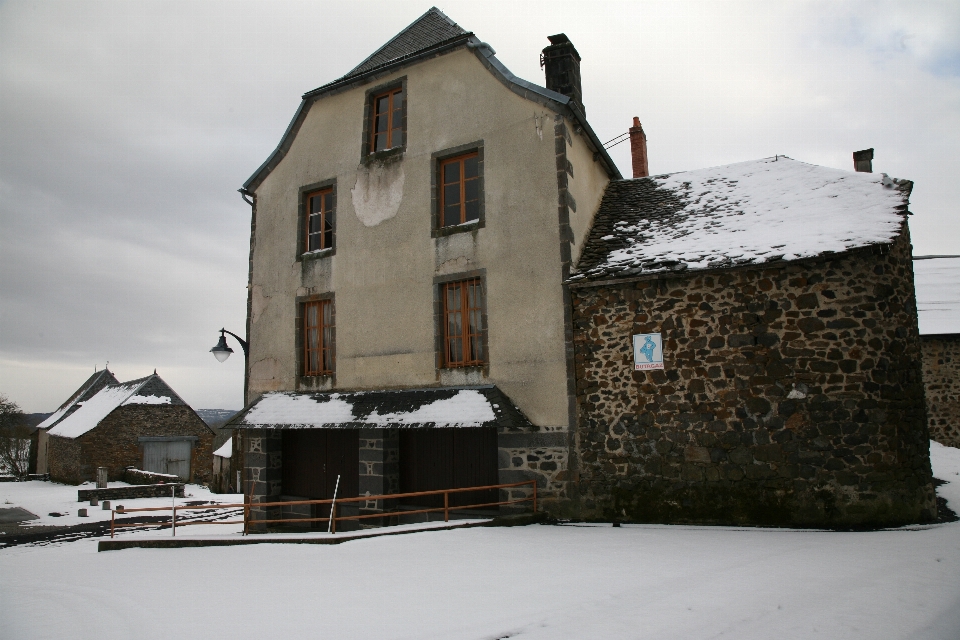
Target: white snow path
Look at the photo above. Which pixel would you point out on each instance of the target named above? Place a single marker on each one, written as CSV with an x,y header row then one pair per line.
x,y
533,582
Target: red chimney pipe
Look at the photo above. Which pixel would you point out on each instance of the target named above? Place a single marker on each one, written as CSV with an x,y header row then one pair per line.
x,y
638,149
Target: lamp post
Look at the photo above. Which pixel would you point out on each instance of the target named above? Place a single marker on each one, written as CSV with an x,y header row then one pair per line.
x,y
222,351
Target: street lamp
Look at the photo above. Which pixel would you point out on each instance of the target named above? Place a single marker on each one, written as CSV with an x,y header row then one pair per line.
x,y
222,351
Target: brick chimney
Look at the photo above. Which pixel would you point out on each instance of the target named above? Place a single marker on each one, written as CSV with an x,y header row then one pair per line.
x,y
863,161
561,63
638,150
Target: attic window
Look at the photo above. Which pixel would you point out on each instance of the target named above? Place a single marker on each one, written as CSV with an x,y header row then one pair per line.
x,y
386,125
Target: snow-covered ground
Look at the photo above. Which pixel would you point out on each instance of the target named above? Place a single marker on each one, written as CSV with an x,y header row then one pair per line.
x,y
641,581
45,498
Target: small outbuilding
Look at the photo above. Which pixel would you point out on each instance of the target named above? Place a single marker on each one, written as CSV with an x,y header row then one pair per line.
x,y
142,423
747,351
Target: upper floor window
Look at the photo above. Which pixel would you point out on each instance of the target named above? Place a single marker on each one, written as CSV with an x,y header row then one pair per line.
x,y
318,337
460,189
386,127
319,220
462,323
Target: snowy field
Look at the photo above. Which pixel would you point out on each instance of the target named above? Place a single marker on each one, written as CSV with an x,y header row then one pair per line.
x,y
641,581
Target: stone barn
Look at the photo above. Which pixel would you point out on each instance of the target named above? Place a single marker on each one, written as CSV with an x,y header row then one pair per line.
x,y
747,351
938,302
142,423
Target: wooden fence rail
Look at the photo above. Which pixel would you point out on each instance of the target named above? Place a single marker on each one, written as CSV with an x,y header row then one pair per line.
x,y
248,506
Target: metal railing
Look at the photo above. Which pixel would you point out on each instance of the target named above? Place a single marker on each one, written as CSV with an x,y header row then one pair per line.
x,y
336,503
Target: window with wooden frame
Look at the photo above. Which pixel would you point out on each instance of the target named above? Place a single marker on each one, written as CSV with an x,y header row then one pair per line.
x,y
318,355
386,120
462,323
459,190
318,214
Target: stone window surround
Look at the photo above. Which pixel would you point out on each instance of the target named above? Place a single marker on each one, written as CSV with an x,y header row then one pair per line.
x,y
314,381
367,156
438,282
437,230
302,216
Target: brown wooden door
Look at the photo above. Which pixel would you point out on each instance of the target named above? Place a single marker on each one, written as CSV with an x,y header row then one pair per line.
x,y
313,458
448,459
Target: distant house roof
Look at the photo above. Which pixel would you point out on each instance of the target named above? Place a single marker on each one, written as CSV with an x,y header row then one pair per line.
x,y
738,214
97,381
431,34
89,412
938,294
484,406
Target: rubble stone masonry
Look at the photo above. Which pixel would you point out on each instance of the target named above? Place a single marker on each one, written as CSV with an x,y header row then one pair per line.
x,y
114,443
941,380
791,395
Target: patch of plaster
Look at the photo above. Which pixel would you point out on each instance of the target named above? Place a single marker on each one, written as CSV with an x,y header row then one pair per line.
x,y
258,303
454,265
265,375
378,192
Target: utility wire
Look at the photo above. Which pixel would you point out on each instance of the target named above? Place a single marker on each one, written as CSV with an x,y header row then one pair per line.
x,y
615,137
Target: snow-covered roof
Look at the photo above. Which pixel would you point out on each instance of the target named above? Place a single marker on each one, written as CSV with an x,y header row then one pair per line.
x,y
88,389
739,214
436,407
226,449
938,294
88,413
92,411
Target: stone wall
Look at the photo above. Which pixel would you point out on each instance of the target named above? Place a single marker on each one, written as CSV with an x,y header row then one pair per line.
x,y
540,456
115,442
131,493
64,460
941,381
791,395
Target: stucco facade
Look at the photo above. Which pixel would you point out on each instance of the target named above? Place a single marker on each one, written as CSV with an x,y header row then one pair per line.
x,y
383,267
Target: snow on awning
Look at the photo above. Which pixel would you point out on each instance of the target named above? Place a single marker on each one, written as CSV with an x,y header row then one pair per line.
x,y
468,407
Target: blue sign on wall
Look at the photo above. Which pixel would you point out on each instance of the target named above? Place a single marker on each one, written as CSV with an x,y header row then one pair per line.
x,y
647,351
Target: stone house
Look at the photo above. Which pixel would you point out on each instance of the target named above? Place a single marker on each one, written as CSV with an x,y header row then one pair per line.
x,y
410,237
415,320
142,423
938,302
785,384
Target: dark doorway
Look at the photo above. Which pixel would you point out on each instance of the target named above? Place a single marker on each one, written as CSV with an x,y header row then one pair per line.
x,y
312,459
447,459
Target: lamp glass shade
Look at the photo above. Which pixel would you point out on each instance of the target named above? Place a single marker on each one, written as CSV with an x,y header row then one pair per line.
x,y
221,351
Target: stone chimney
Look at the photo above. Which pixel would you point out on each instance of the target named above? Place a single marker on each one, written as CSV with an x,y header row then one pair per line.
x,y
638,150
561,63
863,161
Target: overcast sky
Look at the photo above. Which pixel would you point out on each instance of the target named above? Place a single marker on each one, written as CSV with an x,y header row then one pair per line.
x,y
126,129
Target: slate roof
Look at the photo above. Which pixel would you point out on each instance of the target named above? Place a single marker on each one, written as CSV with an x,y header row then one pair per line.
x,y
430,29
482,406
735,215
937,280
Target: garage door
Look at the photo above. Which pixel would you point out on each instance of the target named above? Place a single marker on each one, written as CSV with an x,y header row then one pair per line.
x,y
171,457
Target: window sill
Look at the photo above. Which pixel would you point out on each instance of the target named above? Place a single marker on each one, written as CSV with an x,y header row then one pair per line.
x,y
387,155
463,376
315,383
315,255
463,227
